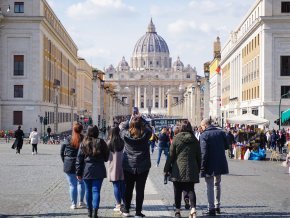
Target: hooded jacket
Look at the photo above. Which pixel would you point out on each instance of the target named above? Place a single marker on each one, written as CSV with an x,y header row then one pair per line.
x,y
185,158
136,156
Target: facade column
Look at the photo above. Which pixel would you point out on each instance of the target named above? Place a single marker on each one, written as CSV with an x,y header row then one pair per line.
x,y
159,98
139,97
153,97
136,97
162,97
145,98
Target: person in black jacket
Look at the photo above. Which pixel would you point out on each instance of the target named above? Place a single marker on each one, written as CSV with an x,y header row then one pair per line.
x,y
68,153
163,145
231,141
136,160
18,139
90,166
213,143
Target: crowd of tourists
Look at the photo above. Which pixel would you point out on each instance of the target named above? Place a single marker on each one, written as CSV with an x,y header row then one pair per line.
x,y
190,154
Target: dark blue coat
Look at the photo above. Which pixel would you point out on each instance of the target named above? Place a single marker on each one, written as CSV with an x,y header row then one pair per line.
x,y
213,142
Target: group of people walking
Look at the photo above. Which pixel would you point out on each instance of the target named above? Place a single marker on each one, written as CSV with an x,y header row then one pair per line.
x,y
128,154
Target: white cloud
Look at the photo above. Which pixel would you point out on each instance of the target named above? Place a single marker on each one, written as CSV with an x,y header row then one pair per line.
x,y
181,26
51,4
97,7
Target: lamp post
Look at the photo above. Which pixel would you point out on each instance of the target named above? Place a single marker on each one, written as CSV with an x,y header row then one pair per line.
x,y
95,73
56,87
206,91
286,94
72,93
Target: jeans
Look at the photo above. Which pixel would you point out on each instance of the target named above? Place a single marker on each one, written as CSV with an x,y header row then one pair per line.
x,y
76,188
165,150
130,180
213,184
152,144
119,190
189,192
93,192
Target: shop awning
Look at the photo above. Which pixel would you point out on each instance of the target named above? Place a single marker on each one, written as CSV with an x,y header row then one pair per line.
x,y
285,116
248,119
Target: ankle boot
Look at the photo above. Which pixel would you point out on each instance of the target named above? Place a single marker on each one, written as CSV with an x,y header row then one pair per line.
x,y
95,213
90,212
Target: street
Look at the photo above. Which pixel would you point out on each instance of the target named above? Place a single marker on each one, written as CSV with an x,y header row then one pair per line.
x,y
35,186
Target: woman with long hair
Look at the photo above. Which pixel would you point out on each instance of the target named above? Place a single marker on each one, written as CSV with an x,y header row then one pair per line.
x,y
136,161
115,169
183,165
90,166
68,153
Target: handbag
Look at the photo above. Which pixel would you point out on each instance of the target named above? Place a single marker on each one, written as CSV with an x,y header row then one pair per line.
x,y
14,145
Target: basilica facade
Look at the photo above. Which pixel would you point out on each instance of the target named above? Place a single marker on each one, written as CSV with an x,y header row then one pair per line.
x,y
151,81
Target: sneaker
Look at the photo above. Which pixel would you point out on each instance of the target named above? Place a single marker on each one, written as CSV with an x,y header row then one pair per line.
x,y
82,205
73,206
156,165
187,205
177,215
117,208
32,153
218,210
124,212
139,215
209,213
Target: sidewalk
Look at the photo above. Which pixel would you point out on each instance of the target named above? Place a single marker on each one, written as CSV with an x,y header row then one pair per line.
x,y
35,186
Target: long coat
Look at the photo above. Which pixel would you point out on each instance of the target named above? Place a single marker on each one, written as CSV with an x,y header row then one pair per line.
x,y
19,138
184,159
213,143
115,169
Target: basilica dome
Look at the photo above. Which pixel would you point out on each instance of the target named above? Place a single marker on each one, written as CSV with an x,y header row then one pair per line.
x,y
150,42
151,51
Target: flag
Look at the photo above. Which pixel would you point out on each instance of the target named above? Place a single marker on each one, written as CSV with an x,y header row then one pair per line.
x,y
218,69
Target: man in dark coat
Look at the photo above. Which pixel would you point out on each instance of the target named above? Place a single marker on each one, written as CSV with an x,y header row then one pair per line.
x,y
18,139
213,143
231,141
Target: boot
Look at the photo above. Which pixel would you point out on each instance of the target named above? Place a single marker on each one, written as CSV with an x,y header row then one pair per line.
x,y
95,213
90,212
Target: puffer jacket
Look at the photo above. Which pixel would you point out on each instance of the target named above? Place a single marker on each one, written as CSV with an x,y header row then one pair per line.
x,y
93,167
136,157
213,143
184,159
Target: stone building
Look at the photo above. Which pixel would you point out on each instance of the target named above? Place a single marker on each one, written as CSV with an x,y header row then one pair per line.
x,y
256,62
151,81
38,63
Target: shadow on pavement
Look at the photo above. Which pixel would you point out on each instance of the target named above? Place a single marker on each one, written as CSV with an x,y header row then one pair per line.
x,y
44,215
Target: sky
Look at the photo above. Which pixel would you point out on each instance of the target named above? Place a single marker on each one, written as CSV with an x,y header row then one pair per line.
x,y
106,30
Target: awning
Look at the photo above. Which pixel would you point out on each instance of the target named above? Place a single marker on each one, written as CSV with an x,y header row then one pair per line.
x,y
285,116
248,119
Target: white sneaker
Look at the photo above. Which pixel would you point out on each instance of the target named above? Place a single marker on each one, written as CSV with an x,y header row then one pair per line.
x,y
32,153
117,208
82,205
73,206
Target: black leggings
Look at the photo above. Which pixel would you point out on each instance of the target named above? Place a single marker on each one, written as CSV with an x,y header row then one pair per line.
x,y
130,180
187,187
34,148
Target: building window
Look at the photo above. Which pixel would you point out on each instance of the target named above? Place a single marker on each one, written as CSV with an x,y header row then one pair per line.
x,y
150,62
156,76
285,90
110,75
18,91
188,76
285,7
285,66
18,7
17,118
157,63
255,112
142,104
18,65
156,104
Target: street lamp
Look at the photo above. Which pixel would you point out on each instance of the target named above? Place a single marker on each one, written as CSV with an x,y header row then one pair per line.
x,y
286,94
56,87
95,78
72,93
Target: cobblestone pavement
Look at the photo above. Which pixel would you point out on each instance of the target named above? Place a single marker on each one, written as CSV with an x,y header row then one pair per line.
x,y
35,186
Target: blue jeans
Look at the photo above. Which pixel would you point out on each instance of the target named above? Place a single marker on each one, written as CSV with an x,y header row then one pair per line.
x,y
152,144
119,190
93,192
165,150
76,188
